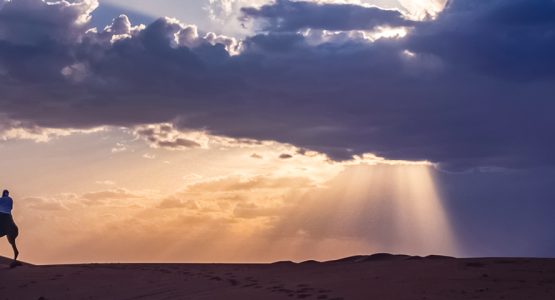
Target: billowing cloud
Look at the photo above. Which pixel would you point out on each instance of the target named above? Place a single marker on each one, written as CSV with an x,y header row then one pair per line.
x,y
469,88
33,22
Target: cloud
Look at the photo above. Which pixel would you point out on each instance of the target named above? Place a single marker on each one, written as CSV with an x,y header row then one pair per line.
x,y
252,210
423,9
34,22
170,203
105,182
42,204
285,156
225,14
165,136
469,88
292,16
119,147
236,183
149,156
482,45
178,143
109,196
256,156
21,131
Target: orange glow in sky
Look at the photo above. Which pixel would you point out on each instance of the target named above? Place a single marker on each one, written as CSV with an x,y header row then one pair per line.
x,y
123,199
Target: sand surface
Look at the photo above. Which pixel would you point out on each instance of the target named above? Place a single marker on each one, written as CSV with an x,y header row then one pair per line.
x,y
363,277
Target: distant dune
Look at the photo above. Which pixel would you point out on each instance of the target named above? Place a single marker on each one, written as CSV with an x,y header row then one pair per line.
x,y
379,276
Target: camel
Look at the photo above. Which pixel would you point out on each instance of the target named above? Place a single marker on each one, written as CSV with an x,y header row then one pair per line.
x,y
10,230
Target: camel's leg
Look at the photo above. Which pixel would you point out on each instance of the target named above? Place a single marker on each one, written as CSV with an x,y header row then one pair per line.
x,y
11,239
12,235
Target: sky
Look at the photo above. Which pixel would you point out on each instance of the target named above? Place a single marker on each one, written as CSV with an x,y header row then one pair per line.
x,y
259,130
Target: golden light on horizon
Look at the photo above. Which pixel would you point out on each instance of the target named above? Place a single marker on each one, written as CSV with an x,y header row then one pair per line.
x,y
223,202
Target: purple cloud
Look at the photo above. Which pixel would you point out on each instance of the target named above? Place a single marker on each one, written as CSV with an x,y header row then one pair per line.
x,y
472,88
285,15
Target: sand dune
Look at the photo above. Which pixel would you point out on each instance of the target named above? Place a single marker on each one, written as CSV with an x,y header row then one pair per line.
x,y
380,276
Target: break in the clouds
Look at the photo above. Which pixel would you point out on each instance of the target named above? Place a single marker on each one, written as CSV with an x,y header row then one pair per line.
x,y
472,87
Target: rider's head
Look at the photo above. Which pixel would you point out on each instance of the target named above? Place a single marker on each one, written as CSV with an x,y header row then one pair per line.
x,y
5,193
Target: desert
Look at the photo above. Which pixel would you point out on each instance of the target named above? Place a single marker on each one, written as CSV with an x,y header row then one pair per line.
x,y
378,276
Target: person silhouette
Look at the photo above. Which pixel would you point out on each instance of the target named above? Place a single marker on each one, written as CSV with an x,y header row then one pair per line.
x,y
7,224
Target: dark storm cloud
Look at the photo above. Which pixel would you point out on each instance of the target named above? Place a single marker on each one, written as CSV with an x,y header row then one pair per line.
x,y
285,15
472,88
31,22
512,39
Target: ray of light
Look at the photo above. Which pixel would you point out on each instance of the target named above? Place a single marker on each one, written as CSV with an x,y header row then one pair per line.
x,y
383,208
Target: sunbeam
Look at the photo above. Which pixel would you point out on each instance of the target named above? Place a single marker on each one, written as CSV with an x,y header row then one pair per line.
x,y
365,209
